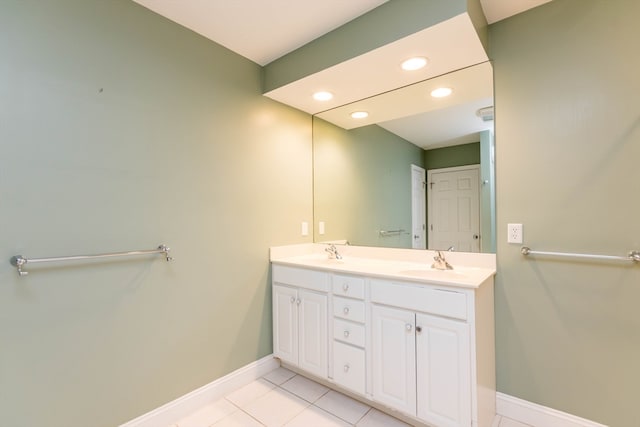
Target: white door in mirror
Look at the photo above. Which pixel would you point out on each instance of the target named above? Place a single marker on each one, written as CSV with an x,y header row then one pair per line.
x,y
454,208
418,201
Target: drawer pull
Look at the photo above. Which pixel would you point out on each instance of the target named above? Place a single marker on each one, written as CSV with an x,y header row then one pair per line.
x,y
345,311
346,367
345,287
346,334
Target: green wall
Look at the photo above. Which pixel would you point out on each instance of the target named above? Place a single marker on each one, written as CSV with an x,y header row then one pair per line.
x,y
568,146
362,184
448,157
119,131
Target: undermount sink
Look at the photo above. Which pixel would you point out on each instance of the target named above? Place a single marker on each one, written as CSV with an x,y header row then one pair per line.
x,y
322,259
427,272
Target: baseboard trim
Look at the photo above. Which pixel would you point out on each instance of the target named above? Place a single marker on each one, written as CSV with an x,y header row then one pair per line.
x,y
179,408
538,415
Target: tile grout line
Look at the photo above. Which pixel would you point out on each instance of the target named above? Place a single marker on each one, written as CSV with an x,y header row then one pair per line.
x,y
322,409
365,414
239,409
318,407
310,404
330,413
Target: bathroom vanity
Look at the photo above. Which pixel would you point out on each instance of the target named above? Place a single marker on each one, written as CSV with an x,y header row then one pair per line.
x,y
386,327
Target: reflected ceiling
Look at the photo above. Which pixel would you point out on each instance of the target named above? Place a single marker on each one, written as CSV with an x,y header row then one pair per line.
x,y
414,115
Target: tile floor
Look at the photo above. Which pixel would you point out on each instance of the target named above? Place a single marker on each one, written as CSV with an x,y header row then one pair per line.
x,y
282,398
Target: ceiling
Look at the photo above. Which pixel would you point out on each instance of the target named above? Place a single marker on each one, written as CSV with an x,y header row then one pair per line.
x,y
261,30
265,30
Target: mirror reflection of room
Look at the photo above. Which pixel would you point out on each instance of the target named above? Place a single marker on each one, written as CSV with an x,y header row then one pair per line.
x,y
417,172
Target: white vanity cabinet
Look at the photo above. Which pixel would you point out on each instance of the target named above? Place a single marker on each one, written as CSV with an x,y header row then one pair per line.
x,y
300,299
423,349
421,365
422,356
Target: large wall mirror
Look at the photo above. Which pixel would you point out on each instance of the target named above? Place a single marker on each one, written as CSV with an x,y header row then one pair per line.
x,y
416,172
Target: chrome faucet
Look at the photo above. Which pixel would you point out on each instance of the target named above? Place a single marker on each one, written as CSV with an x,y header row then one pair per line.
x,y
333,252
440,262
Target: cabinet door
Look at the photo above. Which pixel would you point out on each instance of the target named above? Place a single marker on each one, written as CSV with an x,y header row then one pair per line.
x,y
394,358
285,323
443,371
312,313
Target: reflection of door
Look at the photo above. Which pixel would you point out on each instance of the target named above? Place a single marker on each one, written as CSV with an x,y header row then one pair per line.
x,y
418,216
454,208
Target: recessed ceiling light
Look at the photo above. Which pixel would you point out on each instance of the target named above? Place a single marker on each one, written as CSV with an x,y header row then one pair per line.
x,y
414,63
359,114
441,92
322,96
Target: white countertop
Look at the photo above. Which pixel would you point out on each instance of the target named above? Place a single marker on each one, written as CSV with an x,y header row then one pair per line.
x,y
469,270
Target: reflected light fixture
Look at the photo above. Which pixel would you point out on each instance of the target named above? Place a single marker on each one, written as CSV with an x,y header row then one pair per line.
x,y
323,96
486,114
359,115
441,92
415,63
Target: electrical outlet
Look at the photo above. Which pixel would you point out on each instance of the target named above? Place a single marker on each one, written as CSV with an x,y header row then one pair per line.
x,y
514,233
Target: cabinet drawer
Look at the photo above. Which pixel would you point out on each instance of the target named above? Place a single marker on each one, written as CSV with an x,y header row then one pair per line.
x,y
348,286
349,332
302,278
349,367
348,309
443,302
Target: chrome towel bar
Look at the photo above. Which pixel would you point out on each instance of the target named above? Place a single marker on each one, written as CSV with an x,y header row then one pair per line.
x,y
632,256
19,261
391,232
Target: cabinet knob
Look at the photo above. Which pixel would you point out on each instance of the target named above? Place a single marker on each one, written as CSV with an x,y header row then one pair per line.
x,y
346,367
346,334
409,326
345,287
418,329
345,310
293,299
298,301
